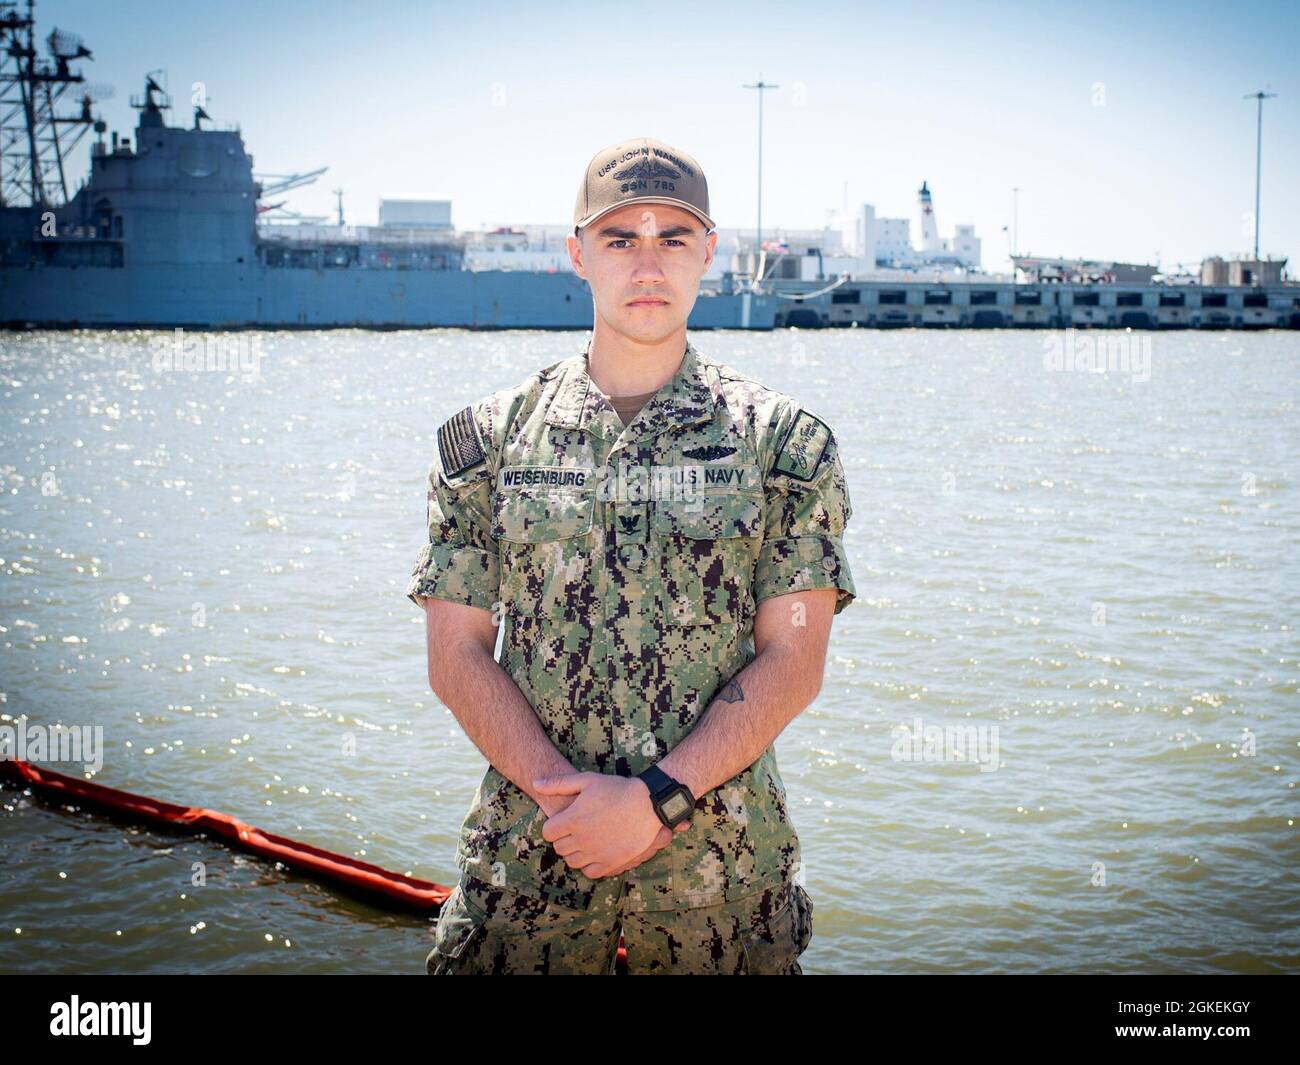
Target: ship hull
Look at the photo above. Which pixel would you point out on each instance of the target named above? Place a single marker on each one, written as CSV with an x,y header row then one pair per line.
x,y
218,296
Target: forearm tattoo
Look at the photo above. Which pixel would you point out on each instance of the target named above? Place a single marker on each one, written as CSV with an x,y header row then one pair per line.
x,y
732,693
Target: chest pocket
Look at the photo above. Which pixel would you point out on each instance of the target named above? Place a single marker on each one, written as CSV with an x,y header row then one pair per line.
x,y
709,549
544,541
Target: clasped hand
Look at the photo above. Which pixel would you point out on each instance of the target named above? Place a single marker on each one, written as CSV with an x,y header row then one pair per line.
x,y
608,825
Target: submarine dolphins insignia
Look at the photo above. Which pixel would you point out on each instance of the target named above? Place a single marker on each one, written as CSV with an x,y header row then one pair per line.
x,y
643,169
709,452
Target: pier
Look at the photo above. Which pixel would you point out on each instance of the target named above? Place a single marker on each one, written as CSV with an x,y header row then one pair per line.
x,y
1042,305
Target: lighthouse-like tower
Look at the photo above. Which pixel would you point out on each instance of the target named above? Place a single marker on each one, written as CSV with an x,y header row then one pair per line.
x,y
929,229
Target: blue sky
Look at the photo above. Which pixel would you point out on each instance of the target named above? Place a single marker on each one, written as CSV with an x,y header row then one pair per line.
x,y
1124,125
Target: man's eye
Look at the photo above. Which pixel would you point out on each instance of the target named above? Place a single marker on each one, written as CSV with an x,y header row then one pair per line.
x,y
623,240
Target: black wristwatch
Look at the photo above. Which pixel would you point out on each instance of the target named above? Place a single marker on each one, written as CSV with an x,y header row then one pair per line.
x,y
673,802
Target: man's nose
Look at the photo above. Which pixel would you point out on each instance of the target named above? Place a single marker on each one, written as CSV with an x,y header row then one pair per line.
x,y
648,264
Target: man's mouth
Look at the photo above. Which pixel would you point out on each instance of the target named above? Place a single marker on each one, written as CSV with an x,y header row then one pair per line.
x,y
649,301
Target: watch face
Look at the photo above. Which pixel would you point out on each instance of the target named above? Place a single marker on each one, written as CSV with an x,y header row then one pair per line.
x,y
676,806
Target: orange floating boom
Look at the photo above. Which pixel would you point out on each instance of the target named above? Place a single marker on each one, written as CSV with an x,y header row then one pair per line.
x,y
418,894
422,895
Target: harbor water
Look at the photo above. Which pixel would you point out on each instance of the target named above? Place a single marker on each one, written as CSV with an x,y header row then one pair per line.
x,y
1088,564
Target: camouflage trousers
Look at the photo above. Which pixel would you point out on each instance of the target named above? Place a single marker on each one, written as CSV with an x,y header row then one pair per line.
x,y
486,930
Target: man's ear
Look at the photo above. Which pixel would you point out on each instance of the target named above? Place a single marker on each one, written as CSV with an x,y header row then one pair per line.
x,y
574,246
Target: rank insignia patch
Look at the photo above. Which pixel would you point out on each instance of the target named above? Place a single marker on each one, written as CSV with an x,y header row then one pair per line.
x,y
803,448
459,446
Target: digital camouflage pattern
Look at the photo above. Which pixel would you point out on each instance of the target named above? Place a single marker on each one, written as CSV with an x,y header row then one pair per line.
x,y
628,564
491,931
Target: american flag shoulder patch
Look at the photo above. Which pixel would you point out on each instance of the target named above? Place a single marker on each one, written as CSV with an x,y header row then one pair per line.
x,y
459,446
803,448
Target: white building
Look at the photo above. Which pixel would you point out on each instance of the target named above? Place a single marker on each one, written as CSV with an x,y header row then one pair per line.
x,y
883,241
539,248
887,242
966,247
415,214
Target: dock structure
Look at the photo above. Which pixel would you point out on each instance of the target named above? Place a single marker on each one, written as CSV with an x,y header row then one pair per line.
x,y
1050,305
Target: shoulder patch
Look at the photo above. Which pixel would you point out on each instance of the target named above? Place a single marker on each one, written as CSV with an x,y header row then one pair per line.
x,y
803,448
459,445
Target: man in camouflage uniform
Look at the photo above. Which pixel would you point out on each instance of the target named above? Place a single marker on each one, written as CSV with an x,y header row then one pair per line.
x,y
665,565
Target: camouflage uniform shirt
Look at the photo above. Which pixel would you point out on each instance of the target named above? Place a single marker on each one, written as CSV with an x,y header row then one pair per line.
x,y
627,565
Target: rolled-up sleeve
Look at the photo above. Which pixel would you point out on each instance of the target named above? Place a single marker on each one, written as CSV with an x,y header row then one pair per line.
x,y
807,507
460,562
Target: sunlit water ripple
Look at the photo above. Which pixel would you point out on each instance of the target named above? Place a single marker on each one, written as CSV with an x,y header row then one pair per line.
x,y
1101,567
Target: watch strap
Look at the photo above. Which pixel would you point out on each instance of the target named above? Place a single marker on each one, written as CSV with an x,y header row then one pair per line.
x,y
659,782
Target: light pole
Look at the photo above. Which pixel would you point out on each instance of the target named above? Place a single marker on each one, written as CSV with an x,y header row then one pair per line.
x,y
1259,137
1015,221
760,85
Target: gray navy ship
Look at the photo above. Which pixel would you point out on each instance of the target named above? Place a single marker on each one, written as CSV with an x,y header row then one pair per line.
x,y
164,232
